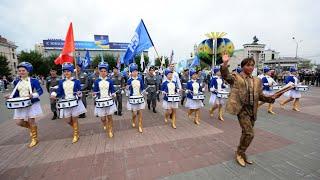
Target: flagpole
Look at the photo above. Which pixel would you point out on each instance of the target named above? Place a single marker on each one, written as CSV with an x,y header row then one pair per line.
x,y
75,64
150,38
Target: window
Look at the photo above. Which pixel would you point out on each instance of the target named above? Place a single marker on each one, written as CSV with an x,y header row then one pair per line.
x,y
13,56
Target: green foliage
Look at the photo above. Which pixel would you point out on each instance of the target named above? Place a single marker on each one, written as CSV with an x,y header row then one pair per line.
x,y
158,61
4,66
41,65
108,58
137,61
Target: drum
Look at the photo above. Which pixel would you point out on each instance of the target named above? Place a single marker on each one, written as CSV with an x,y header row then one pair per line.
x,y
275,88
67,103
136,99
302,88
174,98
223,94
104,102
19,102
199,96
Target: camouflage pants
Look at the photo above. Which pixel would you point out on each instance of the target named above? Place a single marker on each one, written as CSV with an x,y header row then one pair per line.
x,y
152,99
246,121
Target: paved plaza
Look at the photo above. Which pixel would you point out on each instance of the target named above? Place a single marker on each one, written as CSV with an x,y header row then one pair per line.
x,y
286,146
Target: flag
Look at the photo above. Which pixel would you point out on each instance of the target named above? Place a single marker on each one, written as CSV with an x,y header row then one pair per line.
x,y
87,60
142,63
195,62
118,62
141,41
171,57
68,48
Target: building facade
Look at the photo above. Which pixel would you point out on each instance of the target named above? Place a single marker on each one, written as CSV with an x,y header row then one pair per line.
x,y
8,49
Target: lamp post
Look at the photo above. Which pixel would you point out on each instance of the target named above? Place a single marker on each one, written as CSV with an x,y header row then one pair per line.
x,y
297,46
214,36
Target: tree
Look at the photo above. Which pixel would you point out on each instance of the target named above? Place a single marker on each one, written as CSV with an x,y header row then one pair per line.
x,y
4,66
108,58
40,66
158,61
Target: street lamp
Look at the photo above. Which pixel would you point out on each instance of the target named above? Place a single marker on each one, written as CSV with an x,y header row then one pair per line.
x,y
297,46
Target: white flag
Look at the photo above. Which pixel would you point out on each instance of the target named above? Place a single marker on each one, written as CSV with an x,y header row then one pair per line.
x,y
142,62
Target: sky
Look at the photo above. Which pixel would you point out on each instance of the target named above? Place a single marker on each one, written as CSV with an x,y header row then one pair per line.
x,y
172,24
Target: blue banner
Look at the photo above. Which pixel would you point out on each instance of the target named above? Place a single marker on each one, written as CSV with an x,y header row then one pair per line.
x,y
140,42
58,43
101,39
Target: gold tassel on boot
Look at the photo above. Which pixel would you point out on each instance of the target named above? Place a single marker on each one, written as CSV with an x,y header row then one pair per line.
x,y
197,118
110,124
220,113
174,119
295,105
34,136
75,132
140,121
270,109
133,119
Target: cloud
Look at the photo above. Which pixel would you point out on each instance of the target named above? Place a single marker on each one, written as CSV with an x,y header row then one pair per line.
x,y
176,25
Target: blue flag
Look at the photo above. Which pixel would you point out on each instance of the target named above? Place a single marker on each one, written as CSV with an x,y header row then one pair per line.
x,y
86,61
140,42
195,62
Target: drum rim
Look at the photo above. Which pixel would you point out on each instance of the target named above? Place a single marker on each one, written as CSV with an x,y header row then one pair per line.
x,y
13,99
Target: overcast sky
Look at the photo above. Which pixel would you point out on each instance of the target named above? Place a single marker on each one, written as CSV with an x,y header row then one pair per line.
x,y
172,24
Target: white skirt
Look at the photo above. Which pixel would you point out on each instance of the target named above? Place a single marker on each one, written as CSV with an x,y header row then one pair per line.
x,y
193,104
135,107
73,112
268,93
101,112
32,111
292,94
169,105
215,100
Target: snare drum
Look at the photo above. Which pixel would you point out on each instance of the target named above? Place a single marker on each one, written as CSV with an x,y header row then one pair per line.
x,y
104,102
302,88
174,98
223,94
19,102
275,88
136,100
199,96
67,103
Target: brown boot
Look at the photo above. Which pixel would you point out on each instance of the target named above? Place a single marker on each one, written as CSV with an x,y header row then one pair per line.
x,y
211,111
25,124
220,113
190,113
34,136
166,115
240,160
134,119
270,109
295,106
75,132
140,122
245,157
110,124
174,119
197,118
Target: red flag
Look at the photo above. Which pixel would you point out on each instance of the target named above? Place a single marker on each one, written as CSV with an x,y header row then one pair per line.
x,y
68,48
